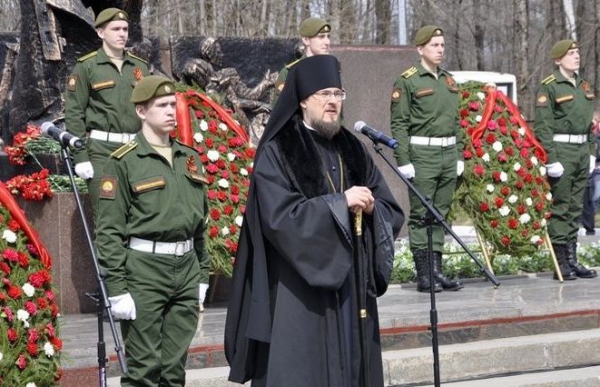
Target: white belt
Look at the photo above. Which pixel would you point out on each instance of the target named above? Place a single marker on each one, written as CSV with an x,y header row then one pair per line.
x,y
571,138
171,248
433,141
122,138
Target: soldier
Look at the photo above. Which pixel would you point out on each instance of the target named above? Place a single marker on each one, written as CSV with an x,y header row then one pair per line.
x,y
563,122
97,106
150,240
315,37
424,120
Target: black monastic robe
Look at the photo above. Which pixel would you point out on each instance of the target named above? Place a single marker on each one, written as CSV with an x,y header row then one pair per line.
x,y
292,318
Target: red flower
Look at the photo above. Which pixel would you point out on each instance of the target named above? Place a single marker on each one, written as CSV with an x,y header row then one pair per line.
x,y
524,232
32,349
479,152
31,308
234,198
505,240
509,151
13,225
474,105
490,138
8,313
519,184
465,94
213,232
54,310
211,194
221,196
56,343
11,334
10,255
33,335
524,152
467,154
536,225
209,143
14,292
478,170
497,176
225,174
235,190
5,268
215,214
535,193
521,209
212,168
42,303
464,113
463,123
49,295
228,210
502,157
528,178
539,206
492,125
36,280
494,223
233,229
499,202
21,362
501,121
484,207
23,260
513,223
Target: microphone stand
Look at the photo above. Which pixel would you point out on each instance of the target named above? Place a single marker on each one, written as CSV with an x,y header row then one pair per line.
x,y
101,298
432,217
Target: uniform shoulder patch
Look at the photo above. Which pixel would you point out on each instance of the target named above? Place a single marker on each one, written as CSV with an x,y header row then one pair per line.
x,y
122,151
410,72
396,94
108,187
72,82
138,58
87,56
542,100
548,80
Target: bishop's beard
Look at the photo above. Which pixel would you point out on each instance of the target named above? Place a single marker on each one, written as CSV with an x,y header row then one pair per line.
x,y
327,129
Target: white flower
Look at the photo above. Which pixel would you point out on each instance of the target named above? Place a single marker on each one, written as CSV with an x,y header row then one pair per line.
x,y
212,155
223,183
239,220
28,289
230,156
31,384
49,349
497,146
528,201
485,157
223,127
481,95
9,236
198,137
478,118
517,166
225,231
535,239
543,171
203,126
490,188
543,222
1,356
23,315
512,199
534,160
521,131
525,218
503,176
504,210
243,172
549,196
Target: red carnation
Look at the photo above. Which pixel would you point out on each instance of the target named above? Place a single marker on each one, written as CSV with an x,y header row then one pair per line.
x,y
539,180
11,334
490,138
494,223
477,143
499,202
36,280
211,194
221,164
513,223
465,94
479,152
539,206
492,125
467,154
215,214
464,113
23,260
234,198
513,120
478,170
49,295
250,152
519,184
42,303
213,232
521,209
498,108
524,152
528,178
54,310
235,190
535,193
31,308
10,255
497,176
514,134
199,114
225,174
32,349
57,343
228,210
524,233
233,229
21,362
209,142
536,225
503,130
484,207
505,240
233,168
474,105
212,168
502,157
33,335
501,121
509,151
463,123
5,268
221,196
522,172
14,292
13,225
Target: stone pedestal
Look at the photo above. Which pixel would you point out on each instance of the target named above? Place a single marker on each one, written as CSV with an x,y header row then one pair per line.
x,y
59,226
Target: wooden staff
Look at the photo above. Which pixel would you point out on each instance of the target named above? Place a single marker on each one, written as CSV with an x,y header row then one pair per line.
x,y
361,289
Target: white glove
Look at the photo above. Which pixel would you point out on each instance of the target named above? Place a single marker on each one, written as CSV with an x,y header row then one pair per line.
x,y
460,167
592,163
408,171
122,307
203,288
555,169
84,170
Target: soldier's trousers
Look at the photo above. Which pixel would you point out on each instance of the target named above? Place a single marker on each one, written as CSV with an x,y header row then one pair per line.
x,y
165,291
567,192
435,178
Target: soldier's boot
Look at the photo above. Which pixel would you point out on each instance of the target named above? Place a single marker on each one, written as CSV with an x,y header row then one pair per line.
x,y
447,283
561,256
580,270
422,265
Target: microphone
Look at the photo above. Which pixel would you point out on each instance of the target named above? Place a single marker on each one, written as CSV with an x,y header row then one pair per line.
x,y
375,135
63,137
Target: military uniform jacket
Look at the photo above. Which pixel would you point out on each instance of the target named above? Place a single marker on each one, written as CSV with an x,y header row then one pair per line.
x,y
281,77
563,108
98,96
144,197
424,106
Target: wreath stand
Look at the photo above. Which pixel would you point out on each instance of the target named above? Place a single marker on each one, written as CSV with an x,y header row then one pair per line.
x,y
488,255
